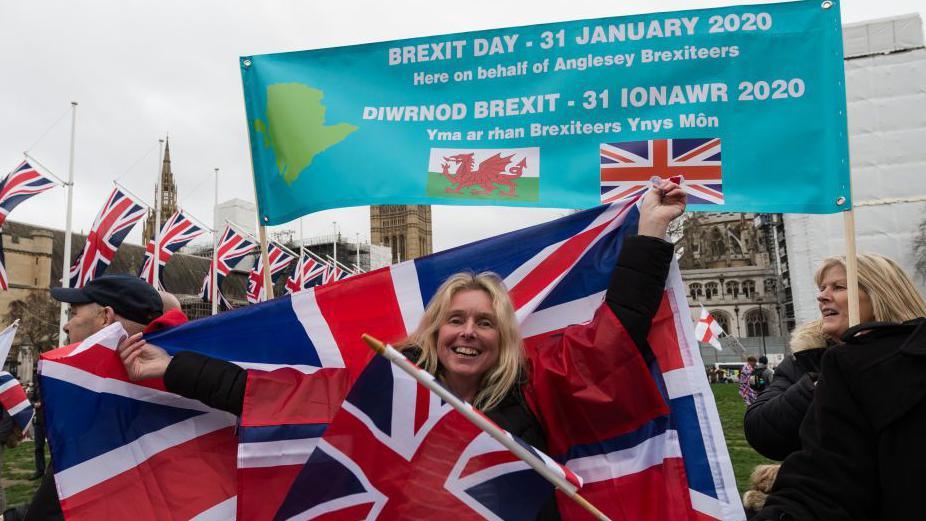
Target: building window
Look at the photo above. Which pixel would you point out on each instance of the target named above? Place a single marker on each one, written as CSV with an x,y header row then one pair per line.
x,y
711,289
722,319
756,323
749,288
770,286
695,290
733,288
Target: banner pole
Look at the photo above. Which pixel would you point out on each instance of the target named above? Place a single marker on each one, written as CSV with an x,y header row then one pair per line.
x,y
265,261
483,423
213,288
851,266
66,252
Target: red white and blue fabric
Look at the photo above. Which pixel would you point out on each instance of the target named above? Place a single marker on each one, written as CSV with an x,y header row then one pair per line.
x,y
627,167
14,401
131,450
708,330
176,233
114,222
334,273
279,260
19,185
308,272
395,450
232,248
305,349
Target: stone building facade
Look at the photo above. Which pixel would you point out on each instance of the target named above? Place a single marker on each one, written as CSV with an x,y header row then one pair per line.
x,y
405,229
732,264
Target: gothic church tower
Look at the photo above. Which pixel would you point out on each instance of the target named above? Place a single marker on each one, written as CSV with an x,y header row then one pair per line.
x,y
168,197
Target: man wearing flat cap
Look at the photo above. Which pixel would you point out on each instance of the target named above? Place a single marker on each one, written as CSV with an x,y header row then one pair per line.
x,y
102,301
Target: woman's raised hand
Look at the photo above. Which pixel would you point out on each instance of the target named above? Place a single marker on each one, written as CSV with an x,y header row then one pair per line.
x,y
141,359
663,203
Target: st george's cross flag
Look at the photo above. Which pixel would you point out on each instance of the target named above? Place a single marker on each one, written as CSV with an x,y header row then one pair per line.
x,y
19,185
662,463
308,272
13,398
176,233
279,260
628,166
233,247
708,330
395,450
115,220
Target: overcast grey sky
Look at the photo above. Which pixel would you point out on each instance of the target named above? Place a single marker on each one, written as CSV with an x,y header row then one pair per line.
x,y
140,70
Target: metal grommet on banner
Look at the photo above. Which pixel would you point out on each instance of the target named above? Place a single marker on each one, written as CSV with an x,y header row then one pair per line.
x,y
826,4
840,201
246,62
266,219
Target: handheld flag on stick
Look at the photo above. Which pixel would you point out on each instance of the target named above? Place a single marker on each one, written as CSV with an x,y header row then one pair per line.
x,y
708,330
119,214
13,398
558,475
176,233
233,247
308,269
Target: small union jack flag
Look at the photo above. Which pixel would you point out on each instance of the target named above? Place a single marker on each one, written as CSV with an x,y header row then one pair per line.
x,y
279,259
176,233
232,248
21,184
308,272
114,222
627,167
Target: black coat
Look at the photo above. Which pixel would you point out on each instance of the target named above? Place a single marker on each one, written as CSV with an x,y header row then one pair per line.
x,y
864,441
771,423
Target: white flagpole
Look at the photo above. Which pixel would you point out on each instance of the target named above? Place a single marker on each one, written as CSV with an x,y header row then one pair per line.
x,y
334,225
66,252
301,254
213,288
483,423
156,258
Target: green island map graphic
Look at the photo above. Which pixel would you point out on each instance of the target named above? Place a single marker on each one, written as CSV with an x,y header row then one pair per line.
x,y
295,127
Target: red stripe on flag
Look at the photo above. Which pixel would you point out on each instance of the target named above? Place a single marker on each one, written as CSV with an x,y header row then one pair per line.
x,y
105,363
694,152
179,483
645,173
484,461
12,397
372,292
286,396
664,340
272,482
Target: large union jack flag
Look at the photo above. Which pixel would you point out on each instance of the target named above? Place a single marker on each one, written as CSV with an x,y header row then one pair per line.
x,y
308,272
627,167
395,450
176,233
232,248
13,398
114,222
19,185
279,260
656,463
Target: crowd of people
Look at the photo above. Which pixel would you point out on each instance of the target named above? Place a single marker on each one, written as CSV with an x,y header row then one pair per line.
x,y
845,411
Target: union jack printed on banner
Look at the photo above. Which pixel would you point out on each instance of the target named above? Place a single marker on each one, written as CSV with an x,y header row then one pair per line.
x,y
279,260
627,167
232,248
21,184
307,273
114,222
398,450
176,233
671,466
13,398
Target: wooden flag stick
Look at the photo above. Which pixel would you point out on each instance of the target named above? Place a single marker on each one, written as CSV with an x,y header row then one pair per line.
x,y
851,267
481,421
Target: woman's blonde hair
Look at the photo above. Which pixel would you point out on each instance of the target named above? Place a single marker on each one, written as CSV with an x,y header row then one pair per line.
x,y
497,381
894,297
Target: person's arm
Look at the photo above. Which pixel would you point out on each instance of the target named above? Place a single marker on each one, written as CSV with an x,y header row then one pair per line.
x,y
772,422
216,383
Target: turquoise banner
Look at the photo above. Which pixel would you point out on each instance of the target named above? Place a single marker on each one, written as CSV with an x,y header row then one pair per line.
x,y
747,103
